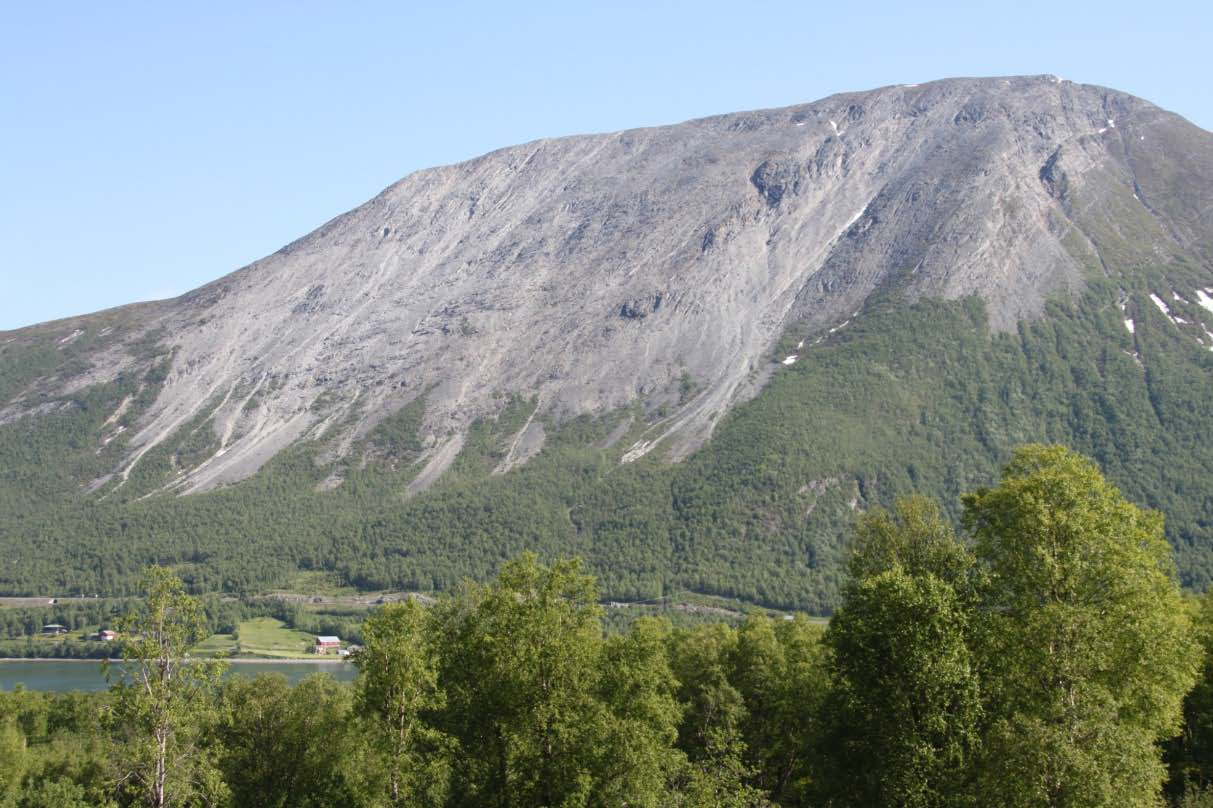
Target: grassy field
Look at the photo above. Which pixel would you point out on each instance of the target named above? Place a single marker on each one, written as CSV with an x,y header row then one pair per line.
x,y
216,645
262,637
267,637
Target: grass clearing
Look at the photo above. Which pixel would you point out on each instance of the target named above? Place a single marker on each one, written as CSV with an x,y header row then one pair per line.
x,y
267,637
215,645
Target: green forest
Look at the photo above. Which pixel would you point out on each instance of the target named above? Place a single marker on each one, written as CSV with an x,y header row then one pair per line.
x,y
918,397
1043,654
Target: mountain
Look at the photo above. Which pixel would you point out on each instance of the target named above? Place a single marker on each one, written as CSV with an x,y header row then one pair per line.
x,y
686,352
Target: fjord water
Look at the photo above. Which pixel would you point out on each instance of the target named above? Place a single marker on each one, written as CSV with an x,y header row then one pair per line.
x,y
61,675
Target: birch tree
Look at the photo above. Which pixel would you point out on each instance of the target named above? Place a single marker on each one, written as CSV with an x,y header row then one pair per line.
x,y
904,707
1087,649
160,697
397,690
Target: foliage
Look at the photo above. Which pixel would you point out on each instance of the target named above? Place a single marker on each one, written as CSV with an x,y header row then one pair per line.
x,y
1190,754
1087,649
905,705
915,538
12,759
543,711
779,669
397,691
1042,667
283,746
159,695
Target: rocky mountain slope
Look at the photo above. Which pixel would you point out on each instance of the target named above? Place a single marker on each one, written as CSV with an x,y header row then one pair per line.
x,y
696,349
659,265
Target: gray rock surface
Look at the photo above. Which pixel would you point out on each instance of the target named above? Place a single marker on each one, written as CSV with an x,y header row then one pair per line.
x,y
593,271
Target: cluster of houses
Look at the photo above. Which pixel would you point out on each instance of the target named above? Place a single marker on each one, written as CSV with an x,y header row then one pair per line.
x,y
325,644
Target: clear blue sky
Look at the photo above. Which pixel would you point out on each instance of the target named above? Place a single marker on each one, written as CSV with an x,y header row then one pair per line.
x,y
148,148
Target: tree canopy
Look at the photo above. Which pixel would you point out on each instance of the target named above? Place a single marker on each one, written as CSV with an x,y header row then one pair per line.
x,y
1045,657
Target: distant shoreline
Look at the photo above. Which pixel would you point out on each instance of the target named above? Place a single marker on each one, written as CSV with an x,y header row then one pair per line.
x,y
288,661
237,660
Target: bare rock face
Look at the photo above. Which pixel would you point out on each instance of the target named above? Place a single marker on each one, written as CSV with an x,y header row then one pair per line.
x,y
593,271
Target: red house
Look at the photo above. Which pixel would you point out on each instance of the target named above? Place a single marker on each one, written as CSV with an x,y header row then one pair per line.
x,y
327,645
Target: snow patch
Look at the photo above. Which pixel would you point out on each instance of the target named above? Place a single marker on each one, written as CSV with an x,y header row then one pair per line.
x,y
1129,325
1158,301
1202,297
1175,296
800,345
834,126
1111,123
72,337
790,360
838,327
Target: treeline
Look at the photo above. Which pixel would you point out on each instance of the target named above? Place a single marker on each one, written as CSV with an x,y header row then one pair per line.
x,y
1047,658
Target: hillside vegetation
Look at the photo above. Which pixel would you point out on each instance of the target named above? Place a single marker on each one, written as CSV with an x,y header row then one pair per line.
x,y
918,397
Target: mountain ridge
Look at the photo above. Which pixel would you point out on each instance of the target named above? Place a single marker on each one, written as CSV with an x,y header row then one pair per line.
x,y
594,271
691,355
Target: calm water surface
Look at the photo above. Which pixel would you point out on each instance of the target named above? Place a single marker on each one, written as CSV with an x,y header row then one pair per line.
x,y
66,675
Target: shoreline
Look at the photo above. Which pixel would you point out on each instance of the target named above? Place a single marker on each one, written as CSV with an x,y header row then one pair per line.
x,y
236,660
